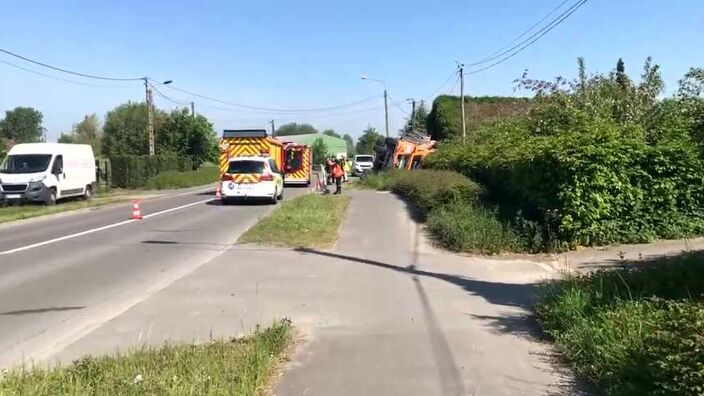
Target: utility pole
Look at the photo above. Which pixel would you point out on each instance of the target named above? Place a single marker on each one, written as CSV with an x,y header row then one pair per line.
x,y
273,128
464,127
413,115
386,111
193,109
150,115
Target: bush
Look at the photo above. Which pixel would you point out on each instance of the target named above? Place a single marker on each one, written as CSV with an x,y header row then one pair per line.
x,y
133,171
633,331
176,179
597,161
429,189
467,227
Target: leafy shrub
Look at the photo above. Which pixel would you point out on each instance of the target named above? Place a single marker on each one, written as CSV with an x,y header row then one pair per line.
x,y
633,331
467,227
428,189
176,179
598,160
133,171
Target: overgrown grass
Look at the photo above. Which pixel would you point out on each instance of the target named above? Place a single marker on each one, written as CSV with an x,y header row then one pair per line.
x,y
11,213
307,221
450,204
175,179
635,331
468,227
232,367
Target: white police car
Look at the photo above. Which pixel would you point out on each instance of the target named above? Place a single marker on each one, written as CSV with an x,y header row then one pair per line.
x,y
252,177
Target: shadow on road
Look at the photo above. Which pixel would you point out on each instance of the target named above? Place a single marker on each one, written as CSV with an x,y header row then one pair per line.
x,y
40,310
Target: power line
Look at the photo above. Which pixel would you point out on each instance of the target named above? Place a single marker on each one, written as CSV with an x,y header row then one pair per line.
x,y
75,73
59,78
397,106
434,94
161,94
273,110
556,23
498,52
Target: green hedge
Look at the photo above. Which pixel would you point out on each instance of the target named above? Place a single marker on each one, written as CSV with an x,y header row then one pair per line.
x,y
594,185
176,179
133,171
637,331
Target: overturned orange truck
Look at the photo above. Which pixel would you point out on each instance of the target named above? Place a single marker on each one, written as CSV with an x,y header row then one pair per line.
x,y
293,159
407,152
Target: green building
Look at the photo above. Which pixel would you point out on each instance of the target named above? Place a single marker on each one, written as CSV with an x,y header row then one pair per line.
x,y
336,147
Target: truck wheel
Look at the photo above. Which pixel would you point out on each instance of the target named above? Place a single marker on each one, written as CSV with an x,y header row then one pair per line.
x,y
51,199
88,194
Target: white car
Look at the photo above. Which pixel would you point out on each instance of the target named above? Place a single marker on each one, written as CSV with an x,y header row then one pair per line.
x,y
252,177
362,164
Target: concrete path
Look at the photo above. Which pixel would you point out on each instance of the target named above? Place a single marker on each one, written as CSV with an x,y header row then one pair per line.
x,y
382,313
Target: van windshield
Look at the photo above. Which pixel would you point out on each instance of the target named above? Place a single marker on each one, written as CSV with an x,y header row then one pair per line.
x,y
25,163
364,158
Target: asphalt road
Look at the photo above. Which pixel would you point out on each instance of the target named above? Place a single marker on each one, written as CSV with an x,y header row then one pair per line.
x,y
63,276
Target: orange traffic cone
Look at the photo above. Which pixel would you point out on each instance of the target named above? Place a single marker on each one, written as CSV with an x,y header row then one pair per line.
x,y
217,191
136,213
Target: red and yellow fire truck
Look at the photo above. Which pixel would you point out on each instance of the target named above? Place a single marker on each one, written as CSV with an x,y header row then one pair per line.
x,y
249,142
297,164
293,159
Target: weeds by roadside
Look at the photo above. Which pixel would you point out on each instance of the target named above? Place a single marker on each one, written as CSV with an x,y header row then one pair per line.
x,y
229,367
633,331
175,179
307,221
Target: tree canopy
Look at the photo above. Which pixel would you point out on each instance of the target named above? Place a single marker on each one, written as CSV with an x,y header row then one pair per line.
x,y
417,122
366,142
186,135
350,144
293,128
125,130
22,125
85,132
332,133
319,150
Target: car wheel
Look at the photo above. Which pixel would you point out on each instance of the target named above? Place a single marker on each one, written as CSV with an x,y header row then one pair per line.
x,y
88,194
281,195
274,198
51,199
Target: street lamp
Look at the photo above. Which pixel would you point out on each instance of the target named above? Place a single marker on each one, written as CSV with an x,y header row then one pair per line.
x,y
150,111
386,104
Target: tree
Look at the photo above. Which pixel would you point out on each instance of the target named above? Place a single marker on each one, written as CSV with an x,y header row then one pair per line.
x,y
67,138
186,135
350,145
319,150
22,125
125,130
332,133
295,129
366,142
418,122
88,132
621,77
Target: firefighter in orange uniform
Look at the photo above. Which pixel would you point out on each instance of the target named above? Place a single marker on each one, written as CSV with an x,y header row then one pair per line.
x,y
337,173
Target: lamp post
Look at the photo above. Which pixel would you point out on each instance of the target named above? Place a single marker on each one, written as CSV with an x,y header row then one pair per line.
x,y
386,104
150,111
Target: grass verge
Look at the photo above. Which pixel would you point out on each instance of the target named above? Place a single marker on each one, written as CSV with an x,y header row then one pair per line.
x,y
175,179
232,367
11,213
634,331
450,204
307,221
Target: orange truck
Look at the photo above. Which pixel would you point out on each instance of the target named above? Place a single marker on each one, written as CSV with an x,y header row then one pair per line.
x,y
404,153
297,164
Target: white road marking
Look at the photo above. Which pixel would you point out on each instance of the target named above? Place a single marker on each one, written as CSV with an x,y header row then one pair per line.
x,y
103,228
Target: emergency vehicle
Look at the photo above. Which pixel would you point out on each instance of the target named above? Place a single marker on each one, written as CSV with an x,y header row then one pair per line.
x,y
249,142
297,163
407,152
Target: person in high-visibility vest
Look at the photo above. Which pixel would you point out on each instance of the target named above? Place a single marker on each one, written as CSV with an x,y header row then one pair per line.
x,y
337,174
347,168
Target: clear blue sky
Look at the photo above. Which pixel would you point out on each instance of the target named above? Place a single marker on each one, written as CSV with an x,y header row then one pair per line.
x,y
311,54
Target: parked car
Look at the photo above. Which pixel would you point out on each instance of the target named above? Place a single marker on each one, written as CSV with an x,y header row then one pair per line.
x,y
46,172
252,177
362,164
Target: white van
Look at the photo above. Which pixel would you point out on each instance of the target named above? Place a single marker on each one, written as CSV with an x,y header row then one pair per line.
x,y
45,172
